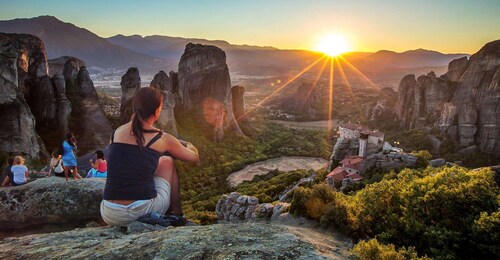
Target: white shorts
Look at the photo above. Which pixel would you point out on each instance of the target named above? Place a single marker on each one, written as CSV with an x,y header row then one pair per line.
x,y
120,215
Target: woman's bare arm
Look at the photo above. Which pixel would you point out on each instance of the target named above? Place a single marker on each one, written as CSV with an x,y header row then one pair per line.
x,y
187,153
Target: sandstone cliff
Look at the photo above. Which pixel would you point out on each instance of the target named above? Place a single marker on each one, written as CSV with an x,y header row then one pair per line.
x,y
464,103
17,62
205,88
51,102
131,81
238,97
165,84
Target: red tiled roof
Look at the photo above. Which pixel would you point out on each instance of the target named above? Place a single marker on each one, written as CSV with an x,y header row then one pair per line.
x,y
355,177
352,160
338,174
355,166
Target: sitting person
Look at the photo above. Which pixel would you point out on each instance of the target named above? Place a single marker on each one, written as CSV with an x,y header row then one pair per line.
x,y
99,168
19,173
142,177
7,172
56,165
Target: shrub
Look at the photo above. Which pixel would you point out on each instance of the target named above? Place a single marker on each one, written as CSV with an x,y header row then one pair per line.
x,y
442,212
373,249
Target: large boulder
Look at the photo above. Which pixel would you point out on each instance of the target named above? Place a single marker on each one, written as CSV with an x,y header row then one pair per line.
x,y
130,83
18,131
227,241
205,88
50,200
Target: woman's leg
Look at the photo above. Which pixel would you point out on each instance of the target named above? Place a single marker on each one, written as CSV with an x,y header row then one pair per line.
x,y
75,173
166,169
66,172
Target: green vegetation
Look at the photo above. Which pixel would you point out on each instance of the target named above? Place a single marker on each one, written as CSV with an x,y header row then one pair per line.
x,y
109,104
203,184
442,212
267,188
373,249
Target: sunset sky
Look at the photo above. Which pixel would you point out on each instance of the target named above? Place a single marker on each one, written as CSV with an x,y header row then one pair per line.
x,y
449,26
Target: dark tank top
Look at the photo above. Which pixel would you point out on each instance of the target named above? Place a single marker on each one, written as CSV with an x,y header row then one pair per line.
x,y
131,171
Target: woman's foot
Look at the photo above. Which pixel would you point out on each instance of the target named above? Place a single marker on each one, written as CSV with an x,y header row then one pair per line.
x,y
176,220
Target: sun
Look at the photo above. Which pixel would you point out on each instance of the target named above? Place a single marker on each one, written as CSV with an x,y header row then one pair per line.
x,y
333,45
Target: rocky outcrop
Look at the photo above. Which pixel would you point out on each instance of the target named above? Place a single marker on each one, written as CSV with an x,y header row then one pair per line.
x,y
463,103
56,66
456,69
389,161
162,82
50,200
165,84
342,148
131,82
64,105
422,101
205,88
51,101
95,128
17,64
238,208
238,97
141,241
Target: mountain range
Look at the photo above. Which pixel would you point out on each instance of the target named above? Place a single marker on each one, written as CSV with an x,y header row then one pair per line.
x,y
152,53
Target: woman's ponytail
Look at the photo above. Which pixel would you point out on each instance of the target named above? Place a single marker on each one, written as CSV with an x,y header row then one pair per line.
x,y
146,101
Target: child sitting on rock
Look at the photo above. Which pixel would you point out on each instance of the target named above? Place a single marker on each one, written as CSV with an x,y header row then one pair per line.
x,y
99,168
18,173
56,165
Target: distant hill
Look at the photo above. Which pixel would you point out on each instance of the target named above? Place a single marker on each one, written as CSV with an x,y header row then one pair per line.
x,y
413,58
66,39
153,53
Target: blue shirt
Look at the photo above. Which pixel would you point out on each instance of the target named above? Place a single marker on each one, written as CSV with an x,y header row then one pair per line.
x,y
18,173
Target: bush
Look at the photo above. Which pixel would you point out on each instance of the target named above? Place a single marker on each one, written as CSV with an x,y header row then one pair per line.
x,y
442,212
372,249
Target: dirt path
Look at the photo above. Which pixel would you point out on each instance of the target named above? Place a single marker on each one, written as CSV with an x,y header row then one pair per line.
x,y
284,164
331,244
316,125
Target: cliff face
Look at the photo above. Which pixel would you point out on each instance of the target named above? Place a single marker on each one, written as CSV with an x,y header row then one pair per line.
x,y
205,87
18,132
464,103
165,84
131,82
422,100
30,95
238,96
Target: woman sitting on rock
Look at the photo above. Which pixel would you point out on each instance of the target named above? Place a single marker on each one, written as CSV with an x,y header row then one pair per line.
x,y
7,173
99,168
69,158
142,177
18,173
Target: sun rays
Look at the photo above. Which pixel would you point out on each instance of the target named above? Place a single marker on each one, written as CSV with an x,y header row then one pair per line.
x,y
337,64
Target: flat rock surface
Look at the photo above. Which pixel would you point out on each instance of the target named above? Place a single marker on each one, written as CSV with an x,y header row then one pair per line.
x,y
244,241
284,164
